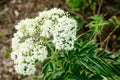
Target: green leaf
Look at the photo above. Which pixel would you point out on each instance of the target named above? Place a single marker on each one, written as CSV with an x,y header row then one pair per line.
x,y
75,70
96,77
100,53
47,77
73,78
81,46
115,69
58,73
66,66
45,67
74,3
52,66
86,65
99,67
84,76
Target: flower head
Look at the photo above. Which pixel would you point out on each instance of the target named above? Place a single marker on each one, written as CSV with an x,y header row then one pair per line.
x,y
27,47
59,27
28,44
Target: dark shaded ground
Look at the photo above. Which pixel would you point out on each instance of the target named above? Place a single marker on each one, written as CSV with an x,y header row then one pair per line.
x,y
12,11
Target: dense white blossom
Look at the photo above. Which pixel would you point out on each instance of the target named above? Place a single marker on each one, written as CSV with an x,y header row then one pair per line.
x,y
57,24
26,50
28,42
28,53
65,33
25,68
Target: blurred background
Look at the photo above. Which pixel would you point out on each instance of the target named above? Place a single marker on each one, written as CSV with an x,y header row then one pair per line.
x,y
12,11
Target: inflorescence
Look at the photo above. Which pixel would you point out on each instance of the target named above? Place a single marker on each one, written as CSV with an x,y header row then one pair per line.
x,y
28,43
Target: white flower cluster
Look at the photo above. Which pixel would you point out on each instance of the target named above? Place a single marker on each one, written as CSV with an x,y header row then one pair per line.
x,y
28,44
57,24
65,34
27,47
26,56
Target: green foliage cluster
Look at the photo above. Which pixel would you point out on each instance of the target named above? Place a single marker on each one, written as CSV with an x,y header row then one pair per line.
x,y
81,63
117,4
97,24
75,3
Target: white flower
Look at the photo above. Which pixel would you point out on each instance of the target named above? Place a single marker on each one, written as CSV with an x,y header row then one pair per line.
x,y
65,33
15,43
59,27
25,69
40,53
28,42
27,27
26,55
47,28
19,34
14,55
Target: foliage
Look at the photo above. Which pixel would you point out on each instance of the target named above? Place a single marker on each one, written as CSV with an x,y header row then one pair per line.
x,y
83,5
97,24
75,3
117,4
81,63
115,21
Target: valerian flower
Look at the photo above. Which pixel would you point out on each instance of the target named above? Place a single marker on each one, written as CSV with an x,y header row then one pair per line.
x,y
59,27
28,44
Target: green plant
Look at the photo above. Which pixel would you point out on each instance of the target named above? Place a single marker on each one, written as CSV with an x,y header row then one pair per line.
x,y
75,3
85,5
117,5
97,24
85,61
81,63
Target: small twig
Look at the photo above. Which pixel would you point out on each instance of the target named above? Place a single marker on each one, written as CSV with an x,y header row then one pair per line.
x,y
4,11
100,38
107,51
94,39
73,12
108,36
106,44
100,5
91,7
105,14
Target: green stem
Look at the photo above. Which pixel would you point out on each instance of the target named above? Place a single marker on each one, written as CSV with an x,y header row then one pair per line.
x,y
91,6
